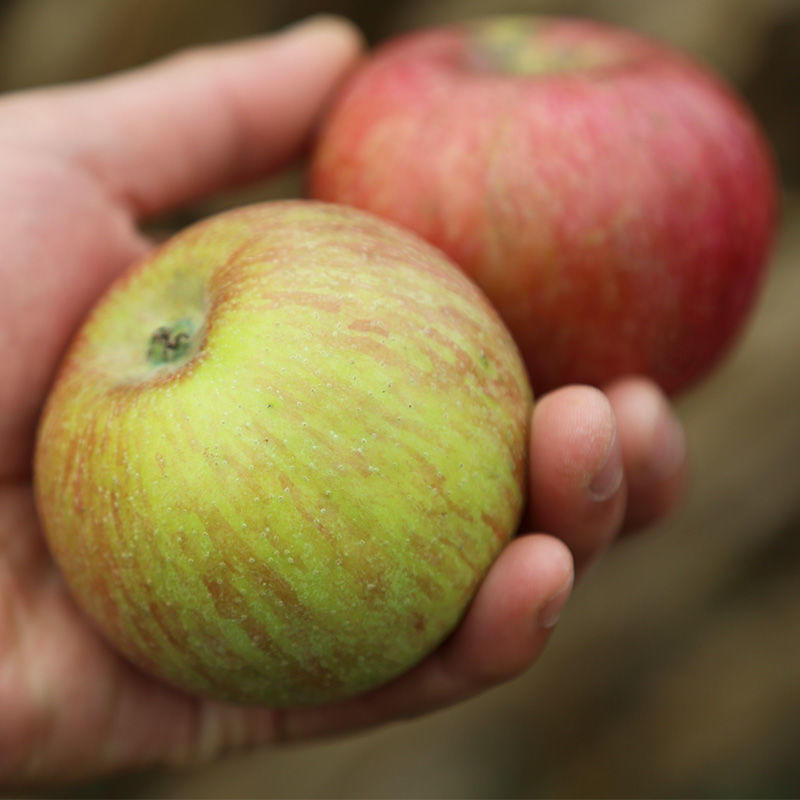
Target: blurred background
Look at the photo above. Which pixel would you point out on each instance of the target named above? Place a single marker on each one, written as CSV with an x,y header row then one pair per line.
x,y
676,668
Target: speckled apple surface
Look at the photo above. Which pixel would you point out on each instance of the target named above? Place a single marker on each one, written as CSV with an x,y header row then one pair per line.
x,y
281,454
614,200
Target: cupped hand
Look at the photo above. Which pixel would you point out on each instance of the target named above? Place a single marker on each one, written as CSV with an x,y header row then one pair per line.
x,y
80,168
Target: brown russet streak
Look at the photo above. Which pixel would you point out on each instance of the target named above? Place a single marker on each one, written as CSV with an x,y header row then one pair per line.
x,y
431,478
394,249
270,247
146,646
519,467
445,373
307,672
64,484
167,621
418,622
348,231
230,605
393,254
227,541
72,468
75,483
277,298
472,329
110,566
93,573
226,274
359,462
369,326
141,644
73,461
467,322
107,610
216,522
408,312
370,405
107,597
504,386
426,586
496,526
436,482
380,352
309,516
439,554
114,589
375,576
372,575
366,560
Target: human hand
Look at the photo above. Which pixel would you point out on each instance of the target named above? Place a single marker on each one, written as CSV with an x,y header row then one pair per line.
x,y
81,167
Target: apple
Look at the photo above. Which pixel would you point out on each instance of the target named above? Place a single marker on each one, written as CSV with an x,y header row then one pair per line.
x,y
614,200
281,454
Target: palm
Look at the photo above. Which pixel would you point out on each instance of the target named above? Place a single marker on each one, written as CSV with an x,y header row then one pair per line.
x,y
79,168
64,688
67,693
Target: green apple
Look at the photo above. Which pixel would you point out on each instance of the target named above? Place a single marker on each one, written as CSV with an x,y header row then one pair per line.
x,y
282,453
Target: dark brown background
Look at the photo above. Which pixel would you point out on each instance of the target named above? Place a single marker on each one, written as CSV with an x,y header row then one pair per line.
x,y
676,668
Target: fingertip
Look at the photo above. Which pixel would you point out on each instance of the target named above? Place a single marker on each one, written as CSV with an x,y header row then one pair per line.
x,y
529,573
574,432
514,611
330,37
208,117
577,484
654,449
334,28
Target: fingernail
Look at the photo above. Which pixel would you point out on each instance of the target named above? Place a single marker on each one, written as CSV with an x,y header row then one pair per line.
x,y
550,612
608,477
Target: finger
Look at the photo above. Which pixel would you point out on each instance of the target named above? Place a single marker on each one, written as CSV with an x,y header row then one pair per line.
x,y
132,720
653,447
506,628
577,486
129,720
159,136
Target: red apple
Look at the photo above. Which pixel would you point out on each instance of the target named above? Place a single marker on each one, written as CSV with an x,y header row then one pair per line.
x,y
613,199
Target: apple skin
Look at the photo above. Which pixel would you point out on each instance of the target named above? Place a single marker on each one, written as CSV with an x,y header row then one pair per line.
x,y
281,454
613,199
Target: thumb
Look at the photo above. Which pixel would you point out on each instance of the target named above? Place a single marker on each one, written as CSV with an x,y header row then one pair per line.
x,y
164,134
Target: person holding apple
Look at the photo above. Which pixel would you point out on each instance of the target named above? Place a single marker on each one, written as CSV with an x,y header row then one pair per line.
x,y
81,167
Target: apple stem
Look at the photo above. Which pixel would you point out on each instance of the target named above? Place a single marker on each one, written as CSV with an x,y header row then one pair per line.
x,y
170,342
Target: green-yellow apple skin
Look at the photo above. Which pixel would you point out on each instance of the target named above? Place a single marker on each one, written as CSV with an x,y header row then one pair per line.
x,y
281,454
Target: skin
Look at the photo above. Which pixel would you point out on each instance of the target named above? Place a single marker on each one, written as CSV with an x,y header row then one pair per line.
x,y
81,167
614,201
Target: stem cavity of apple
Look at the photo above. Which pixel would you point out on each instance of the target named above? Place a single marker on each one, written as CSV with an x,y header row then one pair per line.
x,y
511,45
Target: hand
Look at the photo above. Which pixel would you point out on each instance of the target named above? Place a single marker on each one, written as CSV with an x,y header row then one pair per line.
x,y
80,168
